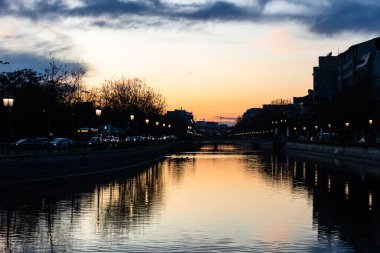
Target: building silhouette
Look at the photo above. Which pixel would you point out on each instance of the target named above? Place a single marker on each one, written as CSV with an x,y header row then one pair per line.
x,y
325,78
360,65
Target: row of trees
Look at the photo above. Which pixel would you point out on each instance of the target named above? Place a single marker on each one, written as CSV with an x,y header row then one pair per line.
x,y
49,102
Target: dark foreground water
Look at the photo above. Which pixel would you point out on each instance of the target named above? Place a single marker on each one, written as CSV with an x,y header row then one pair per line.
x,y
230,200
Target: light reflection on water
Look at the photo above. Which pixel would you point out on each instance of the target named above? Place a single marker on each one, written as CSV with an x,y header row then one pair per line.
x,y
230,199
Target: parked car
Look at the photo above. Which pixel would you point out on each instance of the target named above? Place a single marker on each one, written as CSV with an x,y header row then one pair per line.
x,y
61,143
93,141
22,142
32,142
111,139
115,139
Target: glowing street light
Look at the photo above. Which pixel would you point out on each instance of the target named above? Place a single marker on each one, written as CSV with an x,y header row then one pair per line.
x,y
347,124
370,121
132,117
98,113
8,103
147,121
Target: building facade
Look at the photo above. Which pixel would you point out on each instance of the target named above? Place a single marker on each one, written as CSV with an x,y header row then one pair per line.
x,y
360,65
325,81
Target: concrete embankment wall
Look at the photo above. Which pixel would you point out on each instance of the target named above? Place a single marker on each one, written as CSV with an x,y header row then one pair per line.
x,y
36,168
357,153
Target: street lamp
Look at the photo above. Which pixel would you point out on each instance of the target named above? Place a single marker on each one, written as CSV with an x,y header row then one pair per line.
x,y
157,130
316,127
348,134
329,125
8,103
132,117
370,122
98,113
306,134
147,123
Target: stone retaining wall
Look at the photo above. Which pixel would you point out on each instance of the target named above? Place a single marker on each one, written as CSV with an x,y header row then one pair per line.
x,y
37,168
370,154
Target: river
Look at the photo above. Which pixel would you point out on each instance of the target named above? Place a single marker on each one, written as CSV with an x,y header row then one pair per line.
x,y
233,199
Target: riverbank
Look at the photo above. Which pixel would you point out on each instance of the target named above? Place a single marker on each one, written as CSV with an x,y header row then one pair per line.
x,y
49,167
353,153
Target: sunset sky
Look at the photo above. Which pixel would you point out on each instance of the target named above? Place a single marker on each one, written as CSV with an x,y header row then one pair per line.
x,y
209,57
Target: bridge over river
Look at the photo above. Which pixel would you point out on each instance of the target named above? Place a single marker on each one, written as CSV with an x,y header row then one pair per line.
x,y
249,142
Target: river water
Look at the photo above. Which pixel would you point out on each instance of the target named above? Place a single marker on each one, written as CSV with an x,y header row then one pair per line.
x,y
233,199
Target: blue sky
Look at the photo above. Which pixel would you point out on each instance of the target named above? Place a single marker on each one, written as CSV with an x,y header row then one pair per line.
x,y
210,57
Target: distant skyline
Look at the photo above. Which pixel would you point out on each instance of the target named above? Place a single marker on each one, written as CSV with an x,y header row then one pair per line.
x,y
214,58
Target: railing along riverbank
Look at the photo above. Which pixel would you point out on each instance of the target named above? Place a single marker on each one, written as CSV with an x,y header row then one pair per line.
x,y
31,168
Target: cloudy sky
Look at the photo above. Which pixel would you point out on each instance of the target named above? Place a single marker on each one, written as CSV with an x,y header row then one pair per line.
x,y
210,57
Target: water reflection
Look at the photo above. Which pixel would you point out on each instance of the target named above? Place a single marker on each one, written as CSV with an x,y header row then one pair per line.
x,y
50,218
344,194
222,199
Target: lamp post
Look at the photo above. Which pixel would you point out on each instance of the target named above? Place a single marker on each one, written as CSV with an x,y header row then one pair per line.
x,y
370,122
98,113
147,125
305,133
316,131
347,124
8,103
132,117
157,129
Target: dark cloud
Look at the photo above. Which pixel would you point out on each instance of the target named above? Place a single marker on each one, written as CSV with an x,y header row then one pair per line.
x,y
222,11
38,51
328,17
33,61
111,8
23,61
348,16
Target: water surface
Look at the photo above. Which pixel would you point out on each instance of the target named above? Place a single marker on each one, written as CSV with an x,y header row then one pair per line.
x,y
228,200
